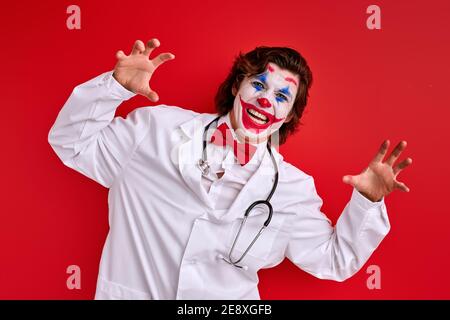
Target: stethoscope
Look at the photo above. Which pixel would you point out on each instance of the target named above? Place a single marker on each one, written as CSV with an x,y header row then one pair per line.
x,y
204,168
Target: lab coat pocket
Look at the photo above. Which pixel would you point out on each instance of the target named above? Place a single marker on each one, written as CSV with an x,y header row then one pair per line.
x,y
262,247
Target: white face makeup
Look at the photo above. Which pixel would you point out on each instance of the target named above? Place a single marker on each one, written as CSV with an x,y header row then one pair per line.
x,y
263,102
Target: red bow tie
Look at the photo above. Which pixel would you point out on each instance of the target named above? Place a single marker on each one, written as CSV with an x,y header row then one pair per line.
x,y
242,151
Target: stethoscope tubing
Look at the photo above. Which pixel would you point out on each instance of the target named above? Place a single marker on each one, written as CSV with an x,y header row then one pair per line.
x,y
204,167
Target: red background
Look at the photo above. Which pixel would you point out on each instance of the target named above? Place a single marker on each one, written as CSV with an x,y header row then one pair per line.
x,y
368,85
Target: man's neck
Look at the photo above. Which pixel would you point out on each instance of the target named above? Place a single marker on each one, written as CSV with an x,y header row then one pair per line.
x,y
232,123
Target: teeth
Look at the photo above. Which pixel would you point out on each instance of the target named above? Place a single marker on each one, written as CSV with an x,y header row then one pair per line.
x,y
260,118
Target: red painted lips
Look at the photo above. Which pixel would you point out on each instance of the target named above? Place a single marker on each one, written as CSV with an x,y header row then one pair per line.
x,y
251,125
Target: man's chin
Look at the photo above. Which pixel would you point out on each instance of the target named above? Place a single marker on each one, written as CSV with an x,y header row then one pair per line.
x,y
253,137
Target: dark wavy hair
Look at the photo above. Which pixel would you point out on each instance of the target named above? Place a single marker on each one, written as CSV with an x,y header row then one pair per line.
x,y
255,62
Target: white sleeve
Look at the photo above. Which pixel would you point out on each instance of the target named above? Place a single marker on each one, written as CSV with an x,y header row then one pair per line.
x,y
89,139
335,253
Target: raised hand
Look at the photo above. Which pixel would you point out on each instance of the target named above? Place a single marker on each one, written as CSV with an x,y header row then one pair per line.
x,y
380,178
135,70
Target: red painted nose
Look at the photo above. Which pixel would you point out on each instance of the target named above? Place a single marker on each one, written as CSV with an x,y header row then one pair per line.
x,y
263,102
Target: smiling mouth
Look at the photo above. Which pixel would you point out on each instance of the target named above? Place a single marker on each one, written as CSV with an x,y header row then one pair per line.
x,y
255,119
257,116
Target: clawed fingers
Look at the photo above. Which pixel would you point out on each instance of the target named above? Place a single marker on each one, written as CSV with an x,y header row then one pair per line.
x,y
396,153
120,55
151,45
140,67
402,165
401,186
351,180
138,47
382,151
151,95
161,58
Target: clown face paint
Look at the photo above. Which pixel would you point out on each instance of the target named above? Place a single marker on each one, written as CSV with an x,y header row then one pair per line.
x,y
262,103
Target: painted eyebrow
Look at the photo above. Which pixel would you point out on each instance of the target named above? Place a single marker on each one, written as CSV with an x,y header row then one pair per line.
x,y
286,91
289,79
262,77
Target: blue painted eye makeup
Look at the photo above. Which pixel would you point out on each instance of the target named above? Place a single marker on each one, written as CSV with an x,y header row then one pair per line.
x,y
262,77
260,83
257,85
283,94
281,98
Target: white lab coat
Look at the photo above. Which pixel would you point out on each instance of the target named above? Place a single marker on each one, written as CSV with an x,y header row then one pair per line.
x,y
165,239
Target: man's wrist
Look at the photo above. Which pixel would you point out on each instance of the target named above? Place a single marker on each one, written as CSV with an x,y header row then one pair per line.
x,y
371,198
117,88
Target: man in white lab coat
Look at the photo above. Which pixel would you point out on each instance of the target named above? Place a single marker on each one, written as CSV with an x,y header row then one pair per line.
x,y
178,191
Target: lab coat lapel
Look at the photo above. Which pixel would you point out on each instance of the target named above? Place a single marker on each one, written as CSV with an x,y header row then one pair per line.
x,y
189,153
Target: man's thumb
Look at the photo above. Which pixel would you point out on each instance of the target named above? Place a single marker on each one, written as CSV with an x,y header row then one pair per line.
x,y
348,179
151,95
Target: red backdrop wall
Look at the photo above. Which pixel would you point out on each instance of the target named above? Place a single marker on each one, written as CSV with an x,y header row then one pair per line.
x,y
368,85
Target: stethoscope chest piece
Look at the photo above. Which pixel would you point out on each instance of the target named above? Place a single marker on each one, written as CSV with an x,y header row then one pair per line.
x,y
203,166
